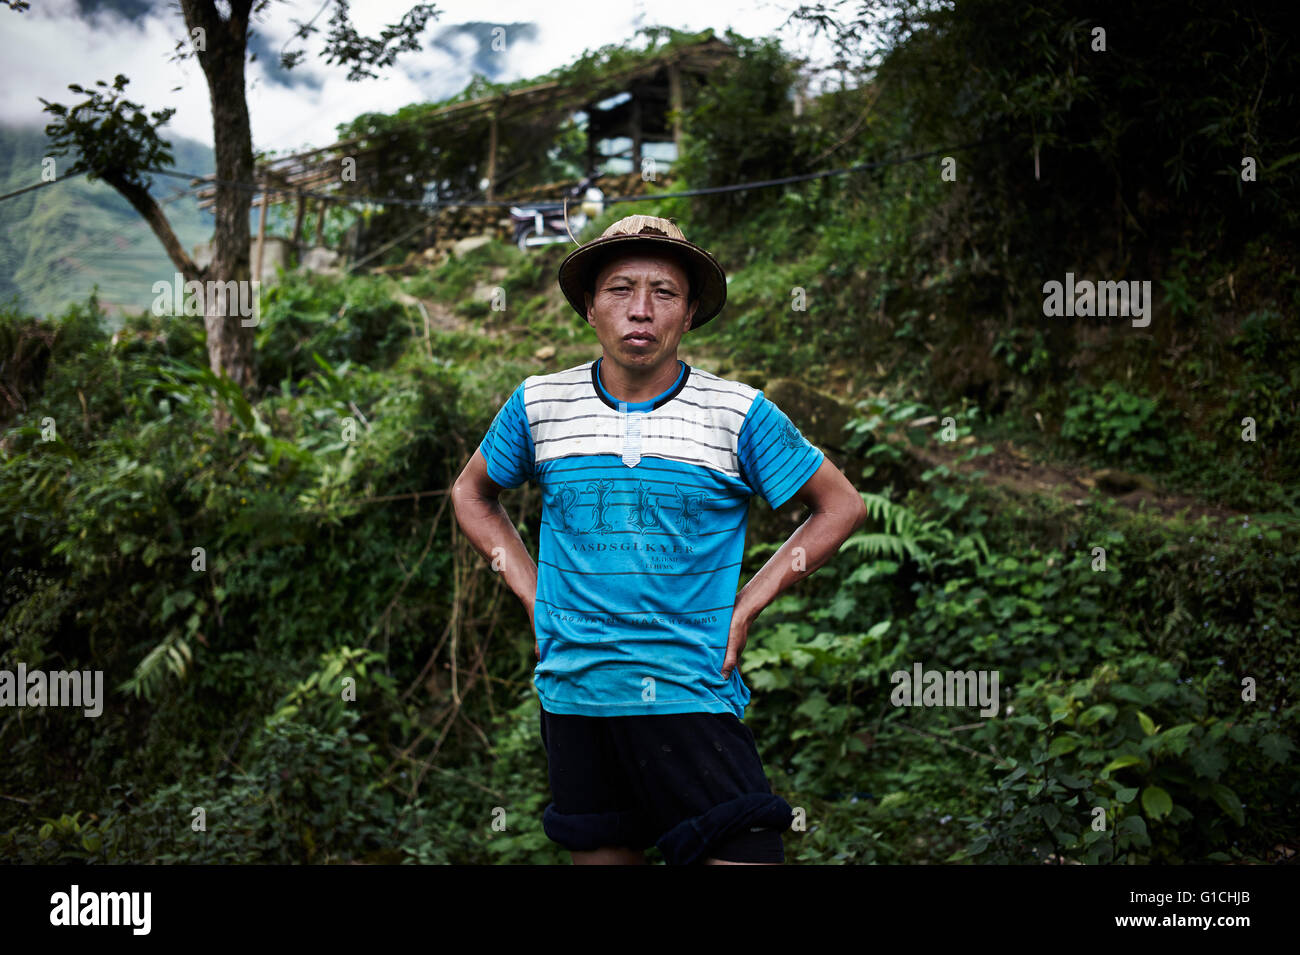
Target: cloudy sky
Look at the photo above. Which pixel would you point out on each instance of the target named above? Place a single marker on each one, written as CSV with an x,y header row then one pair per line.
x,y
58,42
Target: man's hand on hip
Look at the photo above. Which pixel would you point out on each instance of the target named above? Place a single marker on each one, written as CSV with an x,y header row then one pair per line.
x,y
741,618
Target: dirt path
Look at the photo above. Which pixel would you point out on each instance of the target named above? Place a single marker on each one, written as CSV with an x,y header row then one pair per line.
x,y
1010,467
439,317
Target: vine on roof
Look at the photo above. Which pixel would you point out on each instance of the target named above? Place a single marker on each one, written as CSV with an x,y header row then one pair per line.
x,y
589,69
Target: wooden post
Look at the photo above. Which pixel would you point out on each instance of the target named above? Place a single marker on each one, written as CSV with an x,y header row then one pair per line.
x,y
492,158
675,103
297,227
636,133
261,234
320,223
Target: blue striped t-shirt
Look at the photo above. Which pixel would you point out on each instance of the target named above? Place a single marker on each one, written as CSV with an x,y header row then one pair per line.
x,y
644,512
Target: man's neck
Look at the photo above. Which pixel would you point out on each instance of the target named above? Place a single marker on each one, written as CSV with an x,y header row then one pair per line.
x,y
625,384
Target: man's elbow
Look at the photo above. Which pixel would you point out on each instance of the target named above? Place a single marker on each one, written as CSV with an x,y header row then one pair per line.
x,y
463,492
470,495
859,513
848,510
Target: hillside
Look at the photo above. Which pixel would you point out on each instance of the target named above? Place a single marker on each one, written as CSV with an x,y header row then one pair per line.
x,y
58,242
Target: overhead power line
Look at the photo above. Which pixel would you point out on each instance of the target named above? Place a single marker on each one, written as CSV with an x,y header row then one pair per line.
x,y
40,185
500,204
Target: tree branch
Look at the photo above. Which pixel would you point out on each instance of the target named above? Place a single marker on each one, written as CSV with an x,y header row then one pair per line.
x,y
152,213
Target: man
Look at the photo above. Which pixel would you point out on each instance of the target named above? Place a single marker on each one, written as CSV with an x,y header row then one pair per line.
x,y
647,466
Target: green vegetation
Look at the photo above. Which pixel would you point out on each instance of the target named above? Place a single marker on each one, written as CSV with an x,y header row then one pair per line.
x,y
1152,690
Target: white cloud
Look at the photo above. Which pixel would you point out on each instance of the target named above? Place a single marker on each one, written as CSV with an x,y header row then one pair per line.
x,y
51,46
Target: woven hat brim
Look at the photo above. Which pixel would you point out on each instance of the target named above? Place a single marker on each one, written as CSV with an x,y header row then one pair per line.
x,y
713,281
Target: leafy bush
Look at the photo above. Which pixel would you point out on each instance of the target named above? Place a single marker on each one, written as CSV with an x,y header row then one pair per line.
x,y
1131,765
1113,424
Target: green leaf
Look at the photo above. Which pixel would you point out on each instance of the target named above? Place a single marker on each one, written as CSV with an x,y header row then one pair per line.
x,y
1208,761
1062,745
262,429
813,707
1102,711
1120,762
1135,825
1228,802
1126,793
878,630
1156,803
893,800
1133,694
333,669
1148,724
243,410
1284,161
1276,747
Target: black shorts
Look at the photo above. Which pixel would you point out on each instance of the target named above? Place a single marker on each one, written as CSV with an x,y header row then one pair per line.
x,y
690,783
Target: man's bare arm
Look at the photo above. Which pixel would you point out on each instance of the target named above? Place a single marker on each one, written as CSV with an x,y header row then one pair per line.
x,y
475,500
837,511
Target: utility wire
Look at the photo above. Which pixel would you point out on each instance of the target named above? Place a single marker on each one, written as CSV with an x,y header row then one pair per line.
x,y
475,203
805,177
496,204
41,185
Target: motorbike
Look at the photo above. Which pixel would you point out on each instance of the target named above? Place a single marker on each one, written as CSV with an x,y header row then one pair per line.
x,y
542,223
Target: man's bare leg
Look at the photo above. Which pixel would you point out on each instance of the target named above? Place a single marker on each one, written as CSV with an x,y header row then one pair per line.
x,y
610,855
725,862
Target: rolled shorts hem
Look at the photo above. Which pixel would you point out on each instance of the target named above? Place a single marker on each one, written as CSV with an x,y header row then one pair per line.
x,y
585,832
692,840
688,843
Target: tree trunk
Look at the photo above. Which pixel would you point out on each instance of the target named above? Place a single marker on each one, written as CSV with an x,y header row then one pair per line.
x,y
230,340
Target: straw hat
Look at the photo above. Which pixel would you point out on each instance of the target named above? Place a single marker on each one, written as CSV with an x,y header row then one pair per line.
x,y
645,234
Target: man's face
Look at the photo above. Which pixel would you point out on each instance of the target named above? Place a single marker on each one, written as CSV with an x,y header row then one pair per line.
x,y
641,294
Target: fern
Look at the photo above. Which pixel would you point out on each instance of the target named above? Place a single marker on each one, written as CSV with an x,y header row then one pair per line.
x,y
902,533
898,535
172,656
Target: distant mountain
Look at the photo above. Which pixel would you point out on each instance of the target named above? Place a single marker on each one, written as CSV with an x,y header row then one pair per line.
x,y
56,243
